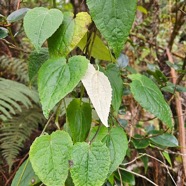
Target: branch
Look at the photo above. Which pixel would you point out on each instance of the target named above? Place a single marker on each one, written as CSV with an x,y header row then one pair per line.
x,y
179,111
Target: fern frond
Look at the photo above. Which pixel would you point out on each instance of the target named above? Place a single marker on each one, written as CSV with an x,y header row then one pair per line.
x,y
13,95
14,132
18,68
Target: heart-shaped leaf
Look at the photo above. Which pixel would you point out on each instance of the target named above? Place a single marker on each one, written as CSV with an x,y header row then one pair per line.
x,y
40,23
114,19
117,143
149,96
100,92
35,60
56,79
69,34
49,155
90,164
79,117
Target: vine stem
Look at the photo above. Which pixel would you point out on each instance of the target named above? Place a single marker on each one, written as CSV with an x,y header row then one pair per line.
x,y
95,134
54,3
120,177
46,125
57,114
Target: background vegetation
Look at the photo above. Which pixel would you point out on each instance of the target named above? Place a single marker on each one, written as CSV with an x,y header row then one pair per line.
x,y
156,47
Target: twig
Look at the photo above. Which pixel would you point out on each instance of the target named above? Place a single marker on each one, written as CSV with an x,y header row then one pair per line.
x,y
1,171
159,47
121,183
162,164
179,111
139,175
18,4
11,177
136,158
46,125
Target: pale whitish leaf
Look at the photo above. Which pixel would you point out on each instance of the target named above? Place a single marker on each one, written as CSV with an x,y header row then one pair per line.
x,y
99,90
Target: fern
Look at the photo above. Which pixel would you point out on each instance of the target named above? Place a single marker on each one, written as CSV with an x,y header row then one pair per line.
x,y
14,67
12,96
14,132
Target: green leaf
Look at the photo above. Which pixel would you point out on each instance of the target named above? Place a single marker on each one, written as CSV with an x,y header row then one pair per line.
x,y
79,117
35,60
166,140
90,164
159,76
56,79
69,34
148,95
117,143
170,87
167,157
3,32
49,155
145,160
99,131
25,175
96,48
114,19
17,15
40,23
142,9
113,74
140,142
127,177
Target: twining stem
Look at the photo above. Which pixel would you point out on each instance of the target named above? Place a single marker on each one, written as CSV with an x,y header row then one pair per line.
x,y
46,125
58,113
95,134
54,4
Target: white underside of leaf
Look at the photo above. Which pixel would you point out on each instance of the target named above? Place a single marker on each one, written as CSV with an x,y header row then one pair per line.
x,y
99,90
